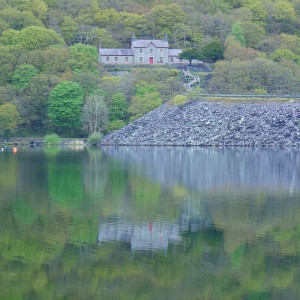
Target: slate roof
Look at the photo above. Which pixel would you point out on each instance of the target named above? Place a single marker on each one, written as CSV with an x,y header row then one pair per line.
x,y
115,52
145,43
174,52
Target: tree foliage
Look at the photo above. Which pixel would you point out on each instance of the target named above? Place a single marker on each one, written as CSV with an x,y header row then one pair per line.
x,y
118,108
65,105
23,76
9,119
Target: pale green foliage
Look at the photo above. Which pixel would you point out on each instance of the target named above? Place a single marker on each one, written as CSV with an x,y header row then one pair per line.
x,y
115,125
179,100
31,38
23,76
253,33
280,54
9,119
83,58
146,99
52,139
260,91
247,76
284,10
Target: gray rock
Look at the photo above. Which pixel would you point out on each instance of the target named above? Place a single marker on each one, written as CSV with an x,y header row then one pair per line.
x,y
201,123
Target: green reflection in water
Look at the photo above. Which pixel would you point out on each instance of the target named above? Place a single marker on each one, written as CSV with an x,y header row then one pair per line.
x,y
235,242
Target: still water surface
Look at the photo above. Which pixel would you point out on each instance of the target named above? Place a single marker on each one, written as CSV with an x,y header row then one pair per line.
x,y
150,223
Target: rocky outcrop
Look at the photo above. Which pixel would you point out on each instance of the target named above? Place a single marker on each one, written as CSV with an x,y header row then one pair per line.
x,y
200,123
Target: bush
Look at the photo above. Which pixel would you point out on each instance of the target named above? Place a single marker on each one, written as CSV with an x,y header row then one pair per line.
x,y
260,91
52,139
115,125
94,138
179,100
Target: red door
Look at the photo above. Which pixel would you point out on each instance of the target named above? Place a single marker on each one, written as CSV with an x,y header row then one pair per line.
x,y
151,61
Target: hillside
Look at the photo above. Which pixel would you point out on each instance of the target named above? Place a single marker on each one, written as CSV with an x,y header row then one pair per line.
x,y
49,52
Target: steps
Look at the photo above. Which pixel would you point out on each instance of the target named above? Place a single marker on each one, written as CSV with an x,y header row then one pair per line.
x,y
195,79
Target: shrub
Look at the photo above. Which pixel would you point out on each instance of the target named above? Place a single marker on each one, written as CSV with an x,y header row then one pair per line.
x,y
179,100
52,139
115,125
94,138
260,91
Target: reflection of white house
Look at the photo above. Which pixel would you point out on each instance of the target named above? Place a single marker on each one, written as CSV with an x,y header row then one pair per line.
x,y
141,236
147,52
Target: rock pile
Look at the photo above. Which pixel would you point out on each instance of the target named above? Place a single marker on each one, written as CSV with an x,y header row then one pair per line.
x,y
200,123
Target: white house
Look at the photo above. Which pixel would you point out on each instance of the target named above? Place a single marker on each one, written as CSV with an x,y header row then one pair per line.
x,y
145,51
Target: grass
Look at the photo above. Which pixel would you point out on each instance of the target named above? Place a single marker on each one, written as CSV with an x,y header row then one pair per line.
x,y
257,98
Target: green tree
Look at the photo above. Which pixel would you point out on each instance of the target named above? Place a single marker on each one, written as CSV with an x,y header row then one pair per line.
x,y
88,81
65,105
23,76
16,19
238,33
32,101
118,108
7,63
212,51
83,58
280,54
9,119
69,29
190,54
31,38
253,33
146,99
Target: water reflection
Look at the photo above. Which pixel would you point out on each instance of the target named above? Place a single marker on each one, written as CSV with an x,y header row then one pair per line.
x,y
150,223
215,168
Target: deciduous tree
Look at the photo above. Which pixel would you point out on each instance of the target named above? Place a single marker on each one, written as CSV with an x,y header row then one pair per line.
x,y
9,119
65,105
95,114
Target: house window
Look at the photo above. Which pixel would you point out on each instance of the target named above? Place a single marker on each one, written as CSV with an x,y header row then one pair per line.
x,y
107,58
172,59
161,60
126,58
161,50
151,50
141,50
141,60
116,58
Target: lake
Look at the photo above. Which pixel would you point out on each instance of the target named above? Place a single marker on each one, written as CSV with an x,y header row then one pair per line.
x,y
150,223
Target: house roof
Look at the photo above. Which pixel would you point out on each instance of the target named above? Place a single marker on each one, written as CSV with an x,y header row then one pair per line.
x,y
174,52
146,43
115,52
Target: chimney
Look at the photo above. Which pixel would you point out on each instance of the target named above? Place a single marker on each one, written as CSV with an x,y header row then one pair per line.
x,y
166,37
100,46
132,37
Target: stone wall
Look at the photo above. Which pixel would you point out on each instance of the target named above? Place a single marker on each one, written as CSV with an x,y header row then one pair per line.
x,y
200,123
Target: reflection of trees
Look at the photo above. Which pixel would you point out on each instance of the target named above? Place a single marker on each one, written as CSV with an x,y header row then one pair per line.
x,y
8,175
65,179
235,243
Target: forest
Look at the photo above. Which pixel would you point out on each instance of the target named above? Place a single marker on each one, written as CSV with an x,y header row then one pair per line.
x,y
50,79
